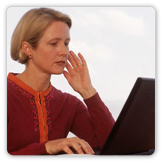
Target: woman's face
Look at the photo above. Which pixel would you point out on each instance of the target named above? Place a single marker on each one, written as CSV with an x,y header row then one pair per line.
x,y
52,51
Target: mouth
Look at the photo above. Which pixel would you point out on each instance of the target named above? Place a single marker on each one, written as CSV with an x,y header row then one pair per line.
x,y
61,63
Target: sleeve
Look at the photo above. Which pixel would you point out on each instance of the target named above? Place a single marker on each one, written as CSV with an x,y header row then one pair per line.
x,y
32,149
94,122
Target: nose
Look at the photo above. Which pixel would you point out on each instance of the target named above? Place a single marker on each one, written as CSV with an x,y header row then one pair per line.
x,y
64,50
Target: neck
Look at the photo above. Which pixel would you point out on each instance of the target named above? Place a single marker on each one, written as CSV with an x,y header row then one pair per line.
x,y
39,81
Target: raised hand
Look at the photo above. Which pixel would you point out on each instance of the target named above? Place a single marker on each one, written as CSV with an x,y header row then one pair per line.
x,y
78,75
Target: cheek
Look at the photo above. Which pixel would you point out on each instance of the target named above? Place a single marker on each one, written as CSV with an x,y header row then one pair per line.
x,y
49,54
41,58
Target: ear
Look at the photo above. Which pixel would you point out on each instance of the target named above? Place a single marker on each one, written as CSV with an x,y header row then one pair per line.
x,y
27,49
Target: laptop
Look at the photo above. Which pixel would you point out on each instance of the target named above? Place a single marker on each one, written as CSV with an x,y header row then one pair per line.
x,y
134,130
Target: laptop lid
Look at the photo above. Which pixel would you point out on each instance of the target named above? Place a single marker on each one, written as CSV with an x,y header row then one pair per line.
x,y
134,130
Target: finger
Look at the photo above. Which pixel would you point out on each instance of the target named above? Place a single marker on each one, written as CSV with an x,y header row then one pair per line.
x,y
71,60
82,59
75,58
86,147
67,76
77,148
70,69
67,150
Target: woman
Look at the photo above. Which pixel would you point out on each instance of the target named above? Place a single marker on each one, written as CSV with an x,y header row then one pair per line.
x,y
39,115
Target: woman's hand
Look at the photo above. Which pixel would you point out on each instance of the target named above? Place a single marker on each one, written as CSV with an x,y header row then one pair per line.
x,y
78,75
65,145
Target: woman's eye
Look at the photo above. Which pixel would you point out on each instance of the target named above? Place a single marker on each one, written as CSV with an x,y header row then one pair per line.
x,y
66,44
54,43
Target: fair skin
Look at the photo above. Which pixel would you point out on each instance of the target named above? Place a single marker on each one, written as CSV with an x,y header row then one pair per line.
x,y
50,57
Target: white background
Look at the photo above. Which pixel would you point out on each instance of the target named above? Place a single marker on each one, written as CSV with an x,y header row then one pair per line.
x,y
117,42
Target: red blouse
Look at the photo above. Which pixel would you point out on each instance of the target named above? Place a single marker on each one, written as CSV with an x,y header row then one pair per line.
x,y
34,117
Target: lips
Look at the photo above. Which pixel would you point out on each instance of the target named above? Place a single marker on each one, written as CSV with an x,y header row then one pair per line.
x,y
61,63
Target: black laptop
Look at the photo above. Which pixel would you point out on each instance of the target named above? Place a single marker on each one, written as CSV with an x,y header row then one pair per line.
x,y
134,130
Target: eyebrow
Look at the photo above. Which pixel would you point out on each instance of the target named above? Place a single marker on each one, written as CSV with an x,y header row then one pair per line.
x,y
57,38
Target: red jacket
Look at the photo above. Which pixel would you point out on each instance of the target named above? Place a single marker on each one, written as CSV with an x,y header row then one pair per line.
x,y
34,117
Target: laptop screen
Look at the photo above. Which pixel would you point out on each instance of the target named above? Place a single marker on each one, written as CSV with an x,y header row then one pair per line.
x,y
134,130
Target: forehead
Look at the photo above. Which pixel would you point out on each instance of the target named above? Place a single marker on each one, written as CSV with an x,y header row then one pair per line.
x,y
56,29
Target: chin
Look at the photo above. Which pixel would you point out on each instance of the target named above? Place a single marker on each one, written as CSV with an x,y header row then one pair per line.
x,y
57,72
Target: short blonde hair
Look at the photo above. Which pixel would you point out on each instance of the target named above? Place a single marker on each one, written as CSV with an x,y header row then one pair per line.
x,y
31,28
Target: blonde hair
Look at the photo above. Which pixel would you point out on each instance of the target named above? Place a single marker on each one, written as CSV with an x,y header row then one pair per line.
x,y
31,28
